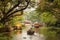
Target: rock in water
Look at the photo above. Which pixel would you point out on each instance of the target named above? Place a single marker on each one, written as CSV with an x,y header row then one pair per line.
x,y
30,32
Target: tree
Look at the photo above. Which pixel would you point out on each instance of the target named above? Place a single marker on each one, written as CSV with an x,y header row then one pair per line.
x,y
48,18
8,9
52,6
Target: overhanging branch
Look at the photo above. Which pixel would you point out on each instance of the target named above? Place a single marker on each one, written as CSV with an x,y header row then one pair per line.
x,y
13,8
55,14
19,10
9,13
16,15
21,13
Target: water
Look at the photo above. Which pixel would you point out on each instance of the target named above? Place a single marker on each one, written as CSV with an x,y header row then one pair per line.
x,y
20,36
5,36
17,35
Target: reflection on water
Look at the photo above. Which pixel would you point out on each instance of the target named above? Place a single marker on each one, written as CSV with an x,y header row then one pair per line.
x,y
17,35
21,35
9,35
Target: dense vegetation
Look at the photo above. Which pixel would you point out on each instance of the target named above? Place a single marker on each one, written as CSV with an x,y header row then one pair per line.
x,y
8,9
47,12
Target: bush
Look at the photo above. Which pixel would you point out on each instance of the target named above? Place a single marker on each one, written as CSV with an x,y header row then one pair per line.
x,y
49,34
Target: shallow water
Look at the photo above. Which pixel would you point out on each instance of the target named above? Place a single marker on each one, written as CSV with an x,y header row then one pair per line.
x,y
20,36
17,35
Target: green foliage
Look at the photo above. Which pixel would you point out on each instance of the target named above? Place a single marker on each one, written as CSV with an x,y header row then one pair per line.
x,y
34,16
16,19
8,8
1,25
47,17
49,6
49,34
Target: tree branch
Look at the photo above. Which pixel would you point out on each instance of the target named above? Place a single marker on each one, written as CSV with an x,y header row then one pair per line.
x,y
16,14
19,10
4,19
13,7
55,14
